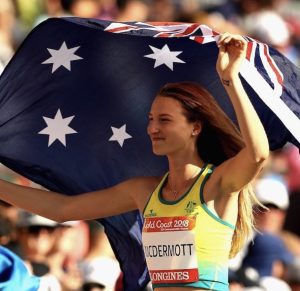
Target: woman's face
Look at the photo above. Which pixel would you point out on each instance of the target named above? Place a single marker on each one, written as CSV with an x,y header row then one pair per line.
x,y
168,128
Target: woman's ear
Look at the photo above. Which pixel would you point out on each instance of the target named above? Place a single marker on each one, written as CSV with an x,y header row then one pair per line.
x,y
197,128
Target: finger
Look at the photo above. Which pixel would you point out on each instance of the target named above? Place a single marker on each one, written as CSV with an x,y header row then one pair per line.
x,y
227,41
231,39
222,38
238,41
231,42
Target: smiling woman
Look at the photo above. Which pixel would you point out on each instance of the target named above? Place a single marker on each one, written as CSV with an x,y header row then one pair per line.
x,y
187,125
199,213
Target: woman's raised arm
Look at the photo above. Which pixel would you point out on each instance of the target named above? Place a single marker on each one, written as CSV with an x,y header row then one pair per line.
x,y
241,169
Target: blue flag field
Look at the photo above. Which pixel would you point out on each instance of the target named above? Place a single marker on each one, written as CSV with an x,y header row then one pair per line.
x,y
74,104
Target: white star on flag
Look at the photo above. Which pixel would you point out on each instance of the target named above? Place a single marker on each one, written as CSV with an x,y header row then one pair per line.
x,y
62,57
58,128
164,56
119,134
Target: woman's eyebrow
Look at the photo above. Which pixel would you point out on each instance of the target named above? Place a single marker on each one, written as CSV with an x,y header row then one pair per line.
x,y
164,115
161,115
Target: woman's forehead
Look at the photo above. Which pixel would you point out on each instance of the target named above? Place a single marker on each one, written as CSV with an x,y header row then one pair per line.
x,y
162,103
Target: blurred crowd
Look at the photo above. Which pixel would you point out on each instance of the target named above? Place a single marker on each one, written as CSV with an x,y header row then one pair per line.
x,y
271,259
77,255
275,22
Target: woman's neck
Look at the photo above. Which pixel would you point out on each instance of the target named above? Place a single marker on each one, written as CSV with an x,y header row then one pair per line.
x,y
182,173
183,166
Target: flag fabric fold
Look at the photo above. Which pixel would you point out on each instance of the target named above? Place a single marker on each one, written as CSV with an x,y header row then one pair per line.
x,y
74,102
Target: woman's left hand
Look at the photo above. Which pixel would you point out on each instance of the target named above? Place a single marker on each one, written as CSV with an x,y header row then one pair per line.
x,y
232,51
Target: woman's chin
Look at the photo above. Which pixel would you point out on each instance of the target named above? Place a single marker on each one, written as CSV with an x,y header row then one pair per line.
x,y
158,151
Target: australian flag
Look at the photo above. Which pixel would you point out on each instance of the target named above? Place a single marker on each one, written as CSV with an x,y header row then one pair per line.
x,y
75,98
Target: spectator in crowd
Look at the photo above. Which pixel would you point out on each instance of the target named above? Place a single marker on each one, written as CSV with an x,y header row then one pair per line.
x,y
35,237
292,158
268,255
101,272
9,211
54,8
86,8
162,10
272,192
266,259
99,268
293,275
286,163
131,10
7,23
7,232
69,246
66,8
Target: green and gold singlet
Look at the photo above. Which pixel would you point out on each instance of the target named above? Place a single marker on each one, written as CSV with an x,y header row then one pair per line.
x,y
185,243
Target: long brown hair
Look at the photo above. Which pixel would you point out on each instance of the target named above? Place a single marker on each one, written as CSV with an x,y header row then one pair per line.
x,y
218,141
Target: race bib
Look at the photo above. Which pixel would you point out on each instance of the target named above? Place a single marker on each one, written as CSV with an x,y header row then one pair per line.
x,y
169,246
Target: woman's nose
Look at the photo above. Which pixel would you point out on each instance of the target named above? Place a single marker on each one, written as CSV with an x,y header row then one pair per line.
x,y
152,128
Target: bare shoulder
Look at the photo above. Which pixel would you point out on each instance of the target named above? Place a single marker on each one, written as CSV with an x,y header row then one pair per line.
x,y
143,188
